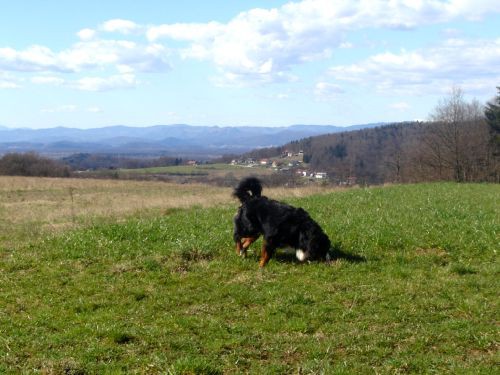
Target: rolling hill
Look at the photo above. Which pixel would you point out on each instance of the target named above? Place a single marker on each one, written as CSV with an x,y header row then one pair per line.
x,y
172,140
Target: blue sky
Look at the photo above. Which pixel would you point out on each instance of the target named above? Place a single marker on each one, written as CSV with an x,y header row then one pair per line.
x,y
230,63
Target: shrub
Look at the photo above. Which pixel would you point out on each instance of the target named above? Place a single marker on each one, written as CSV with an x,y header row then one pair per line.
x,y
31,164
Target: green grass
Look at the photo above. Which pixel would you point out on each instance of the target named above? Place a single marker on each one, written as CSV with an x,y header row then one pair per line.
x,y
173,170
169,295
186,170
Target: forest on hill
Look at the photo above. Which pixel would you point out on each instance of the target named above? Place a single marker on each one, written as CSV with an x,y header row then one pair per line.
x,y
459,143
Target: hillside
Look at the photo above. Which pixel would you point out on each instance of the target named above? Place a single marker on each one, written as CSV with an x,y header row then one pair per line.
x,y
413,289
402,152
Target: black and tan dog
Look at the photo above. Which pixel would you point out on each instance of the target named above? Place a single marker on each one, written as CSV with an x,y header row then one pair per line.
x,y
280,224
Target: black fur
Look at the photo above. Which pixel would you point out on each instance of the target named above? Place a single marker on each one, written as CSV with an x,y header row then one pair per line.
x,y
280,224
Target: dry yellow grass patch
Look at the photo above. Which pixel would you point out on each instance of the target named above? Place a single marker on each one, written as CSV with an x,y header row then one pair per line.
x,y
55,201
299,192
29,205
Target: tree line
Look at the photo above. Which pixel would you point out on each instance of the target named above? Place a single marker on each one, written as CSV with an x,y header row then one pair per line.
x,y
461,142
33,164
86,161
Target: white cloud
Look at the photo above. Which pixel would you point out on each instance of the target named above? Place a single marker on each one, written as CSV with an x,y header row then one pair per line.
x,y
258,46
120,81
4,84
473,10
71,108
61,108
246,79
113,53
95,109
47,80
346,45
88,55
262,45
473,65
32,59
86,34
186,31
8,81
126,80
120,26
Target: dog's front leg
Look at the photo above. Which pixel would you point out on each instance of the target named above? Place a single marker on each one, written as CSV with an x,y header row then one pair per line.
x,y
265,254
243,244
247,242
239,247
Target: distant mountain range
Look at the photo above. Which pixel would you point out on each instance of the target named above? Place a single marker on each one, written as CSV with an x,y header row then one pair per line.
x,y
169,140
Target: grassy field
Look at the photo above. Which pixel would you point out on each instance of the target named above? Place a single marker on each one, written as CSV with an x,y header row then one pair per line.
x,y
207,171
159,289
202,169
31,207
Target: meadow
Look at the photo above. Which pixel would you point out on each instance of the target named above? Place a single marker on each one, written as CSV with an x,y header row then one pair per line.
x,y
142,277
183,173
192,170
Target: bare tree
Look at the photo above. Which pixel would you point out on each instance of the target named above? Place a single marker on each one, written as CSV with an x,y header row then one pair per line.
x,y
455,138
394,155
492,113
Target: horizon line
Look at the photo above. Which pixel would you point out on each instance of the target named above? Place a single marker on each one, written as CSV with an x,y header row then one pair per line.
x,y
7,127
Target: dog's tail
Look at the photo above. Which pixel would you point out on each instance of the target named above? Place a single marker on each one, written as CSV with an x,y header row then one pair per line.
x,y
248,188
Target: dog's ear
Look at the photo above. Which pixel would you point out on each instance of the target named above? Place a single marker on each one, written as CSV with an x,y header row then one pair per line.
x,y
304,239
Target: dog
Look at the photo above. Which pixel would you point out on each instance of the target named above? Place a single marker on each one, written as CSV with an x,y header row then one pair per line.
x,y
280,225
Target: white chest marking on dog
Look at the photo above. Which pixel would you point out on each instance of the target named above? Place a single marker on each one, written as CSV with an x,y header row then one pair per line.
x,y
301,256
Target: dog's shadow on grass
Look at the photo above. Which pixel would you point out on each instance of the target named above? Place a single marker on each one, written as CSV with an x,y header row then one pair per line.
x,y
336,253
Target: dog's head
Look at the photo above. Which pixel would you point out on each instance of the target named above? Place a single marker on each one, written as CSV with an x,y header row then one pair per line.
x,y
248,188
315,241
